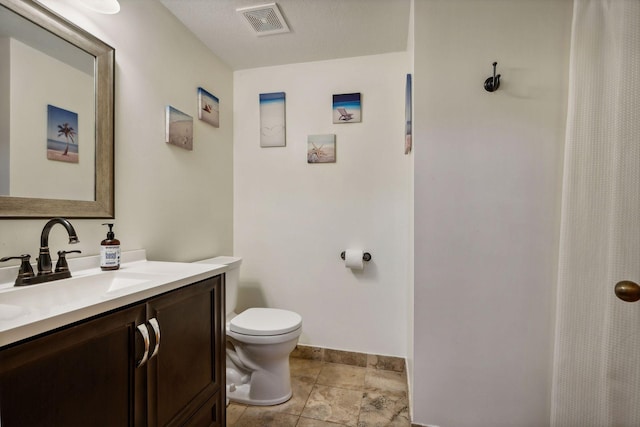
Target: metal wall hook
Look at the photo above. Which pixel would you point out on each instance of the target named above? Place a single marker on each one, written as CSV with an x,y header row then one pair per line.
x,y
492,83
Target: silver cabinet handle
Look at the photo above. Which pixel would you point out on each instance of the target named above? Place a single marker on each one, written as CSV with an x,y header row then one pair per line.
x,y
156,328
142,328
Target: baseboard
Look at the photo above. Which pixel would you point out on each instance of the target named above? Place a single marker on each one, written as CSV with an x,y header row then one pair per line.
x,y
387,363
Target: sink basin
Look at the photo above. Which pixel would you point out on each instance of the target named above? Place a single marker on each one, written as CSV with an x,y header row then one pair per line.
x,y
62,294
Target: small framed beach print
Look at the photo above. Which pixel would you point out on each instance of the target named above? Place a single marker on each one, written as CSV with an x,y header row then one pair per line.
x,y
208,108
347,108
321,148
179,131
62,135
272,120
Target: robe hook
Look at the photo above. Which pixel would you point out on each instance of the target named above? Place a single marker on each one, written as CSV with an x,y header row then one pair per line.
x,y
492,83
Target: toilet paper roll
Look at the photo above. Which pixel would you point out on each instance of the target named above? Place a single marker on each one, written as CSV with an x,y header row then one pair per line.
x,y
353,259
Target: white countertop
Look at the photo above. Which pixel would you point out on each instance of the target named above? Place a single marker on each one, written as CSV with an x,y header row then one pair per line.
x,y
26,311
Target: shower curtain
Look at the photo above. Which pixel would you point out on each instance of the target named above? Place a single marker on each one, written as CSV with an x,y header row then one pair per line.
x,y
596,379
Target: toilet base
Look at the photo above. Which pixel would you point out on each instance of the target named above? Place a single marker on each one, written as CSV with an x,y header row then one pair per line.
x,y
240,394
257,367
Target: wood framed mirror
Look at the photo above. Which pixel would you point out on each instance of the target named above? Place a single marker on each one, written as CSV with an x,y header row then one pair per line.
x,y
33,184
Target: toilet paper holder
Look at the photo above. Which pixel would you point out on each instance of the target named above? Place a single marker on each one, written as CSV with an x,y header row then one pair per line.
x,y
365,256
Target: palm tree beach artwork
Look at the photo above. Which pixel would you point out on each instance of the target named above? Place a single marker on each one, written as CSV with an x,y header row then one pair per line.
x,y
179,128
62,135
208,108
321,148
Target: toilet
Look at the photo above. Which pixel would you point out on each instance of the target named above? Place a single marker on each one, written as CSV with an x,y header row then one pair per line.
x,y
259,342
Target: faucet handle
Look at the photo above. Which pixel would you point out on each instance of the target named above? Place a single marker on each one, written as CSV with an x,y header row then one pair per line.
x,y
62,265
26,271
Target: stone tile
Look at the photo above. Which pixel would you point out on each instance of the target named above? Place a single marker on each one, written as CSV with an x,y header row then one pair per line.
x,y
334,404
335,394
305,368
307,352
310,422
379,409
390,382
301,388
345,357
255,416
345,376
234,411
387,363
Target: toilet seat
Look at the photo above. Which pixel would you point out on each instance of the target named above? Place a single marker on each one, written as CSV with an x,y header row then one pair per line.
x,y
265,322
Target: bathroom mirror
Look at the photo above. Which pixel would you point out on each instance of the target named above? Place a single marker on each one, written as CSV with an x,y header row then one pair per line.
x,y
56,116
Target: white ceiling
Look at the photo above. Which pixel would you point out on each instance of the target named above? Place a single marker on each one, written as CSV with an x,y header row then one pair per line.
x,y
320,29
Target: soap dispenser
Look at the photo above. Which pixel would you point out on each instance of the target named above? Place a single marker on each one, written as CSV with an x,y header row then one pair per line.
x,y
110,251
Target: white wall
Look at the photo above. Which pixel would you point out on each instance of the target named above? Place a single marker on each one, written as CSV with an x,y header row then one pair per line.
x,y
487,185
292,219
177,204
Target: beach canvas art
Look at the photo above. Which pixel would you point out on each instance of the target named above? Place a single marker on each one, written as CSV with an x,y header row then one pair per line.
x,y
208,108
321,148
408,142
179,130
62,135
347,108
272,119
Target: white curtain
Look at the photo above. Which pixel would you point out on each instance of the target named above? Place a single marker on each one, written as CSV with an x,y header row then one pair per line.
x,y
597,349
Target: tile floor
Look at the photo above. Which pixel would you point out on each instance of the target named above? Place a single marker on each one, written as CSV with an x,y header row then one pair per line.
x,y
327,394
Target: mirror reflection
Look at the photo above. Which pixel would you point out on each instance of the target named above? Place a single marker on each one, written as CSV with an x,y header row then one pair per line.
x,y
48,125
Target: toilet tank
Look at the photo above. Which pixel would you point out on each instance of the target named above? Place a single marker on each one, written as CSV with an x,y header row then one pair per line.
x,y
232,278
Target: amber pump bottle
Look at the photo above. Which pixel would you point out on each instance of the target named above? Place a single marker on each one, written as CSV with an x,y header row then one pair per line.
x,y
110,251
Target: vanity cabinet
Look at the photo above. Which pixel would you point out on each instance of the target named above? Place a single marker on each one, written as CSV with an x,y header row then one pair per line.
x,y
89,373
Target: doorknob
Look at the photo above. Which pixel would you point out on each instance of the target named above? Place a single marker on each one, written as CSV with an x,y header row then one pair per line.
x,y
628,291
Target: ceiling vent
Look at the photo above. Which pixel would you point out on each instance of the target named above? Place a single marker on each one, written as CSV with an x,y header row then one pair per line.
x,y
265,19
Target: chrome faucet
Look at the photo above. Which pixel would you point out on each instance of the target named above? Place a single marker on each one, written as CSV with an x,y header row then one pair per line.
x,y
44,258
26,276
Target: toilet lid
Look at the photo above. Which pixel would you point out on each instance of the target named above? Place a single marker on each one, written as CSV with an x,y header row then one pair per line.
x,y
265,321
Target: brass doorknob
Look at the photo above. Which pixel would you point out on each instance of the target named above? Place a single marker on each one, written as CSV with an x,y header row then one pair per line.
x,y
628,291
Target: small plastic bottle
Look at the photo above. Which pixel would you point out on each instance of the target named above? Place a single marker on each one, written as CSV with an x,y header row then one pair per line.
x,y
110,251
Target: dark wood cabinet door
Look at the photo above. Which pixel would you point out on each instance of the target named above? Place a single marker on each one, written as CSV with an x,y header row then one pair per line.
x,y
188,368
83,375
